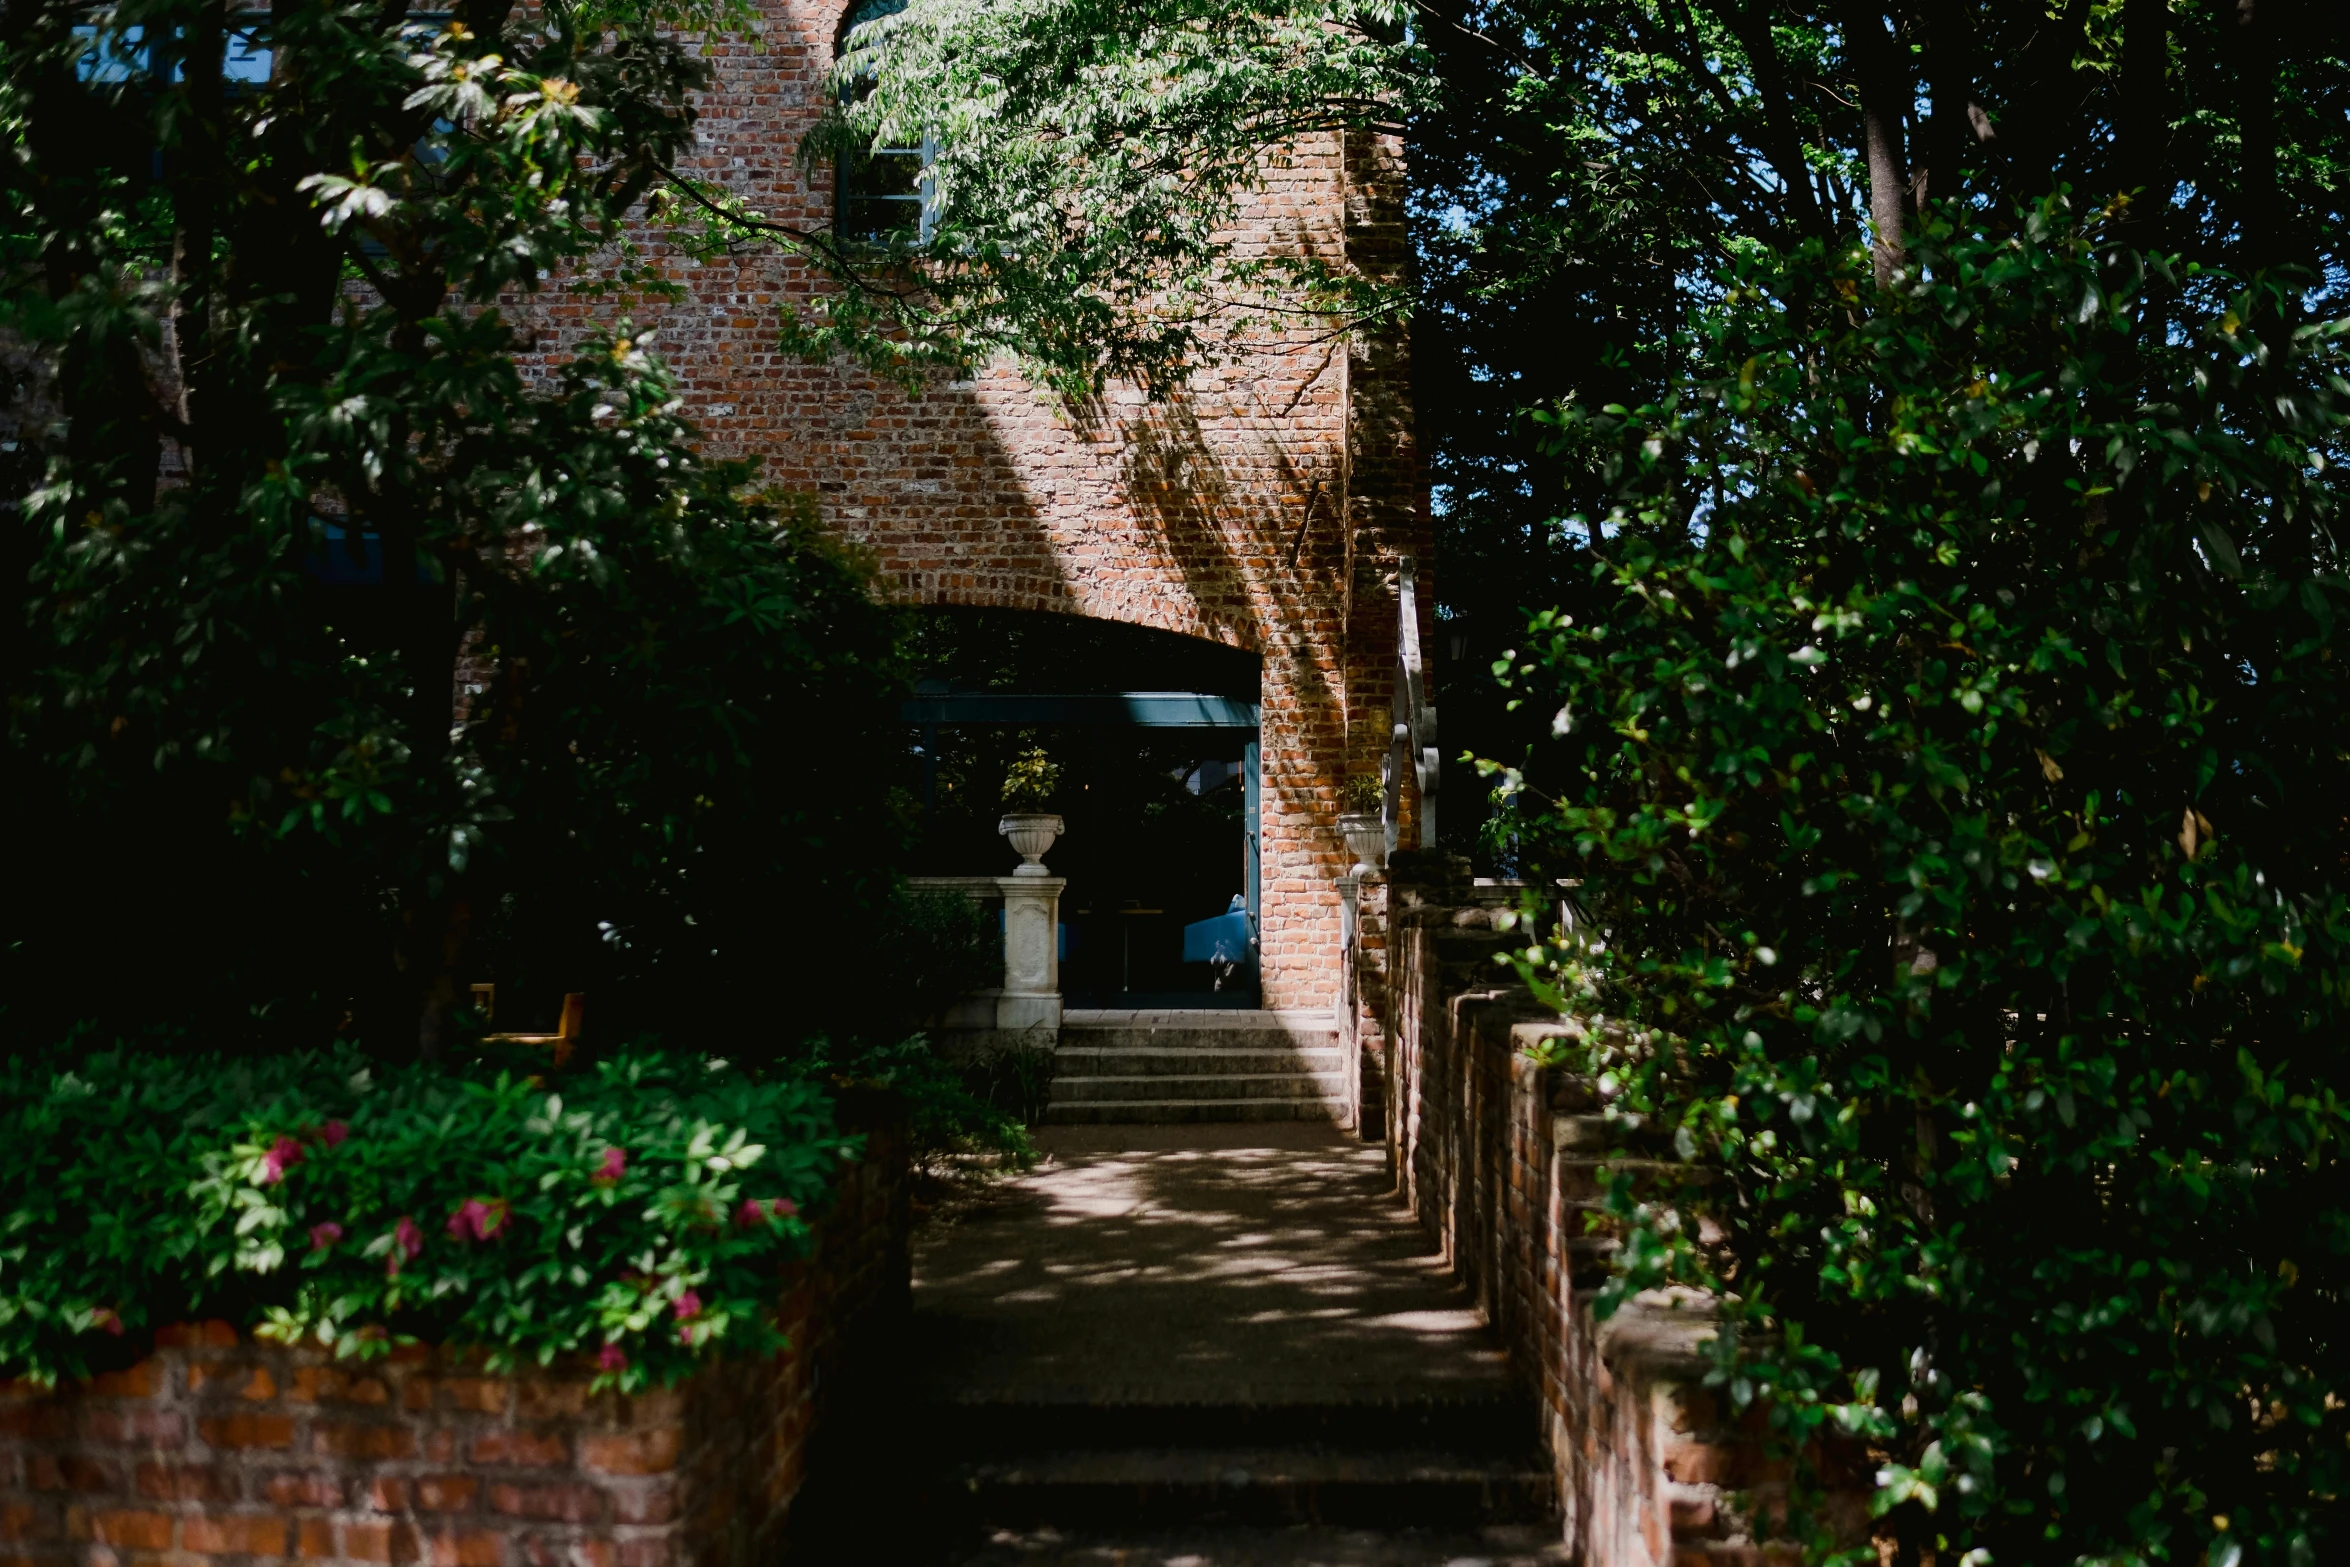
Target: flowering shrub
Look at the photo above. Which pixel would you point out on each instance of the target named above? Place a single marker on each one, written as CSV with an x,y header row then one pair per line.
x,y
636,1213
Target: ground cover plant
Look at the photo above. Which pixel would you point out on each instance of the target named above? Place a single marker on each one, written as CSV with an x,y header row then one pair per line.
x,y
633,1213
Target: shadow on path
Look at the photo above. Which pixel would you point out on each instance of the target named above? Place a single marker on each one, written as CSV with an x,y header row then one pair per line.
x,y
1198,1346
1202,1265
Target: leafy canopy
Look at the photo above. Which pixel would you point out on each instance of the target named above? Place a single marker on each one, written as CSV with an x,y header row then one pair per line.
x,y
367,647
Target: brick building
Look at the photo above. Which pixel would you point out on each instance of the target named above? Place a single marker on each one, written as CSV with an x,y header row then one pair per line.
x,y
1264,510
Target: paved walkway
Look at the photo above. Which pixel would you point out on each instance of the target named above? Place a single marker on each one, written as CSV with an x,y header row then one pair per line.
x,y
1219,1346
1197,1265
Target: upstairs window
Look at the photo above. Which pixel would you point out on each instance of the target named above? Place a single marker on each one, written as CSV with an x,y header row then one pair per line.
x,y
883,195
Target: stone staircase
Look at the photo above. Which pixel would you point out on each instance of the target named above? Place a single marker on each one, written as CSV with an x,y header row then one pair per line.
x,y
1222,1346
1198,1065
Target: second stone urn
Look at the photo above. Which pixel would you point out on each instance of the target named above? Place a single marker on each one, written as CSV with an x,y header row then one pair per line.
x,y
1031,834
1366,840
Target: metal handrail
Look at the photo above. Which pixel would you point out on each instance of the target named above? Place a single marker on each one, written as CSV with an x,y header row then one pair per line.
x,y
1413,746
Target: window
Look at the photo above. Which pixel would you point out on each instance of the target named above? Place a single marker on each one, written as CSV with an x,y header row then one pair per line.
x,y
883,195
114,57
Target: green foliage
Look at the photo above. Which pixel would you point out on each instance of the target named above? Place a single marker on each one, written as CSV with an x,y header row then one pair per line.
x,y
1365,795
1029,783
1954,766
952,1107
635,1212
421,643
1090,158
938,947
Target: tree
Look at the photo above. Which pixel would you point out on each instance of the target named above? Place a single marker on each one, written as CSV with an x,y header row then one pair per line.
x,y
1949,763
1925,423
358,637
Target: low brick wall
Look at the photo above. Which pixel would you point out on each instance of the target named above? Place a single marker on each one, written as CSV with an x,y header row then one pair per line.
x,y
221,1449
1501,1159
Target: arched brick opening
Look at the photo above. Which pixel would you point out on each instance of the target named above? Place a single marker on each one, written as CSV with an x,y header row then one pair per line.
x,y
1151,741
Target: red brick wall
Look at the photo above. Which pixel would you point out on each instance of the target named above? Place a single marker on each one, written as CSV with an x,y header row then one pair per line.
x,y
219,1449
1263,509
1501,1159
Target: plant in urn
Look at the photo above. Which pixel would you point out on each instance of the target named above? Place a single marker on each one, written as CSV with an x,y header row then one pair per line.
x,y
1030,827
1362,825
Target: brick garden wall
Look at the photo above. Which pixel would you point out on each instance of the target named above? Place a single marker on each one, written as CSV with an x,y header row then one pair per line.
x,y
1264,509
1501,1159
217,1449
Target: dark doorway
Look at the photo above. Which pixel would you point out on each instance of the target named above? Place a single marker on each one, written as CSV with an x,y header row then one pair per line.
x,y
1149,741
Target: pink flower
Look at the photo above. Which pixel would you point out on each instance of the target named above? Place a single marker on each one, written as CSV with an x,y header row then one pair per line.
x,y
614,1166
283,1155
689,1306
333,1133
612,1358
784,1207
685,1334
756,1211
477,1219
324,1235
407,1241
108,1318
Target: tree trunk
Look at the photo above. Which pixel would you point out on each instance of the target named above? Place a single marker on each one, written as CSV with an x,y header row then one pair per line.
x,y
2258,230
191,169
1959,125
2142,119
1884,89
1783,139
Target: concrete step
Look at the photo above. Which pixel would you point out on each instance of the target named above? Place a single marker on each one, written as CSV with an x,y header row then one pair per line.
x,y
1200,1029
1494,1423
1147,1486
1128,1088
1183,1112
1197,1065
1278,1545
1085,1061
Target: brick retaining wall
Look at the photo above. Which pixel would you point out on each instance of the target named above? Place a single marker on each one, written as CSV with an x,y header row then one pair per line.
x,y
1496,1154
220,1449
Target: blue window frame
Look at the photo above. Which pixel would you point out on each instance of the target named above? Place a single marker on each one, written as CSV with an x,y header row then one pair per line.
x,y
883,195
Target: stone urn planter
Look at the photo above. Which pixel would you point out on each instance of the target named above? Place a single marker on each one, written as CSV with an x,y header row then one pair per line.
x,y
1031,834
1366,840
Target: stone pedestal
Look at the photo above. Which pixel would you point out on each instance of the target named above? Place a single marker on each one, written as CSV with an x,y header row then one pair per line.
x,y
1031,997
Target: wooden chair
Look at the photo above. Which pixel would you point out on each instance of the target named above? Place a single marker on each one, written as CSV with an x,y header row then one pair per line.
x,y
566,1033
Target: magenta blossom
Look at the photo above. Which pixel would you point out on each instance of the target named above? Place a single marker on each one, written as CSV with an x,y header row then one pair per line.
x,y
757,1211
614,1166
477,1220
283,1155
407,1241
688,1307
324,1235
107,1318
612,1358
333,1133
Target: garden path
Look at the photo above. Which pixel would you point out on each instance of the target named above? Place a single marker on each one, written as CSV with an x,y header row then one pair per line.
x,y
1216,1346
